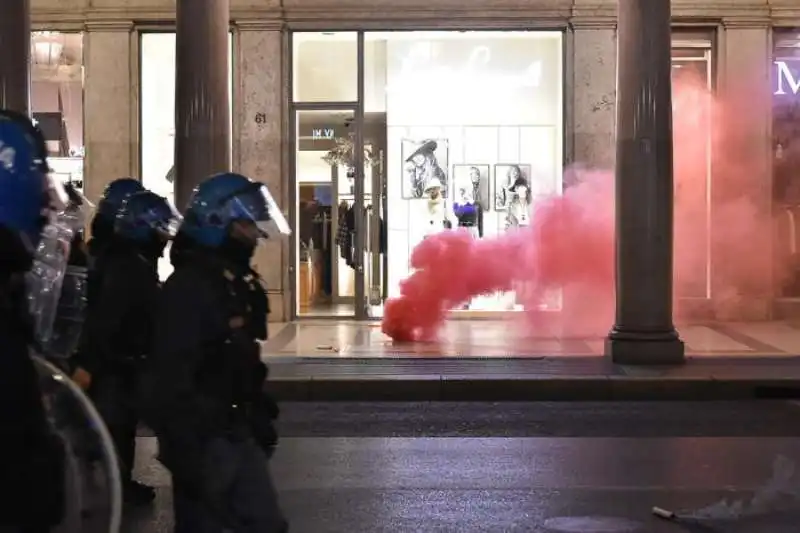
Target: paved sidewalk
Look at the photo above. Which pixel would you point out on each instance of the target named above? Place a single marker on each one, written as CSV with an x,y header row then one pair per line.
x,y
485,360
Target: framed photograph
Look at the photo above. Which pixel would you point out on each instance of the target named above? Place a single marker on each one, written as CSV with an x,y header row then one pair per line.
x,y
425,164
471,184
507,177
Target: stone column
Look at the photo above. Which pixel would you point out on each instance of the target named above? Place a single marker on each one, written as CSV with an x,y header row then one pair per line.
x,y
263,151
643,331
110,106
594,89
202,113
15,47
742,175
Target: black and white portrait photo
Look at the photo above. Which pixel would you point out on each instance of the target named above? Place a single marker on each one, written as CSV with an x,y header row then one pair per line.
x,y
423,162
471,185
505,176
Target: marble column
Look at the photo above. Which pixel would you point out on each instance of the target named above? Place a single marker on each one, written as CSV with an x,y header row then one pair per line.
x,y
15,44
202,112
643,331
110,106
742,176
594,88
262,150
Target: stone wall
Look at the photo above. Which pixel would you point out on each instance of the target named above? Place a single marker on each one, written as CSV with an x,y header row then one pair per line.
x,y
260,149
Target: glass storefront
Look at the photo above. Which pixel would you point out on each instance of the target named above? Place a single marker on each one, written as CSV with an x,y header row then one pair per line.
x,y
444,130
693,79
57,100
786,155
157,119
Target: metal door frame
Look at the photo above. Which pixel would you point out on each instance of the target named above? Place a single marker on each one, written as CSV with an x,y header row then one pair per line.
x,y
361,310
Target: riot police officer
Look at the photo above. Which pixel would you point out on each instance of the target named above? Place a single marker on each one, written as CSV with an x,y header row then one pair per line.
x,y
100,246
31,456
117,333
204,387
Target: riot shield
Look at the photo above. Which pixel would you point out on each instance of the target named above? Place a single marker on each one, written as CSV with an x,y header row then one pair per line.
x,y
46,277
94,491
70,314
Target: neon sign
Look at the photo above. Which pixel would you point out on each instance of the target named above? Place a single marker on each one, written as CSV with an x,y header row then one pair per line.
x,y
787,82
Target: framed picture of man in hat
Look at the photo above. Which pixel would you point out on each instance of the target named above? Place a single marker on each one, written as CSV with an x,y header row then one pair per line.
x,y
506,178
423,161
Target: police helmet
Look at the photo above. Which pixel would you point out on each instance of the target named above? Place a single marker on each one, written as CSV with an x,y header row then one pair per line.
x,y
226,198
145,215
24,181
115,195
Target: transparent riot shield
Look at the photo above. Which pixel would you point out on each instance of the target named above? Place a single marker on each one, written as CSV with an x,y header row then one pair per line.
x,y
70,313
94,490
46,277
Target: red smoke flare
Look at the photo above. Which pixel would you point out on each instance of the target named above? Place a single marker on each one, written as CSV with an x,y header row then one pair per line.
x,y
569,245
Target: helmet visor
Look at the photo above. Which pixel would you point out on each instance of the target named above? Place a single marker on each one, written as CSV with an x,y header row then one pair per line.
x,y
167,226
257,205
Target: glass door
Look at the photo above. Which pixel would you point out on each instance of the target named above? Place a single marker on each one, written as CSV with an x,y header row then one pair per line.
x,y
692,89
328,265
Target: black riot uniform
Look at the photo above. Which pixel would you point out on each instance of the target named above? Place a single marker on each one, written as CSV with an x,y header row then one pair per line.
x,y
31,455
117,338
205,388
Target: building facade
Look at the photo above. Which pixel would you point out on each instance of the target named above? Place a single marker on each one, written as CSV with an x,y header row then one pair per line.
x,y
312,78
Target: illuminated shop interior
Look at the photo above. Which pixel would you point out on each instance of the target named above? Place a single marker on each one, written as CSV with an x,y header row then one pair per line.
x,y
57,100
474,111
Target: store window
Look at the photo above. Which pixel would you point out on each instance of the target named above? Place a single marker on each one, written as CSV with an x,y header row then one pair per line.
x,y
693,82
325,66
478,115
786,153
157,119
57,100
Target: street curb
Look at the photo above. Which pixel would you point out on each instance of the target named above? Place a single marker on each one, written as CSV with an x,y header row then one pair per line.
x,y
511,389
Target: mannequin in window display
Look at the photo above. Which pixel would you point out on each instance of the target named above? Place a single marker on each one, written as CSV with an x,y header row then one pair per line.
x,y
422,168
502,195
519,206
468,210
439,216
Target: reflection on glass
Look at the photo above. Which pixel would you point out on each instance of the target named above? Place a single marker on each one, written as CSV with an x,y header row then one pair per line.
x,y
786,157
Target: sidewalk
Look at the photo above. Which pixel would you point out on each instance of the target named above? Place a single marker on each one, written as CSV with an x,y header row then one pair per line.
x,y
484,361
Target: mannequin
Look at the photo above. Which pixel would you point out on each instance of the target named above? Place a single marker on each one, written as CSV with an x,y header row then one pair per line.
x,y
519,206
468,211
439,216
469,215
518,215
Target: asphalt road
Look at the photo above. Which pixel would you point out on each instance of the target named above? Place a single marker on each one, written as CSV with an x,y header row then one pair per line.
x,y
563,467
544,419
